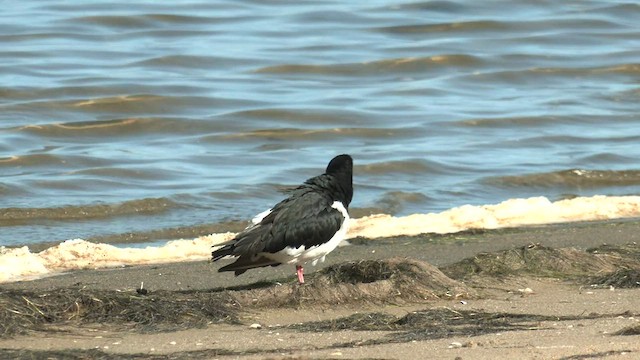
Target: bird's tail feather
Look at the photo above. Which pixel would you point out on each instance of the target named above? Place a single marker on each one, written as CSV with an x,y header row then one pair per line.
x,y
243,264
221,252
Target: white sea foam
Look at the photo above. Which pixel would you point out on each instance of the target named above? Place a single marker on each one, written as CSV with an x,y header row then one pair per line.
x,y
21,264
510,213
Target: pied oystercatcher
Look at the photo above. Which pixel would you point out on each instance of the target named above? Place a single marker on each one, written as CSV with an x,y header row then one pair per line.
x,y
304,227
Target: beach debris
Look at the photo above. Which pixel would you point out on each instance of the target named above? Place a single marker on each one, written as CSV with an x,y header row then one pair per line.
x,y
364,281
525,291
623,277
630,330
142,290
396,280
22,311
455,345
619,264
255,326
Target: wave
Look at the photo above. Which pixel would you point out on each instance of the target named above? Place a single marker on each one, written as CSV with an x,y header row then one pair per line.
x,y
408,166
127,127
391,202
474,26
347,133
12,216
48,160
481,72
141,21
546,120
532,26
402,65
297,116
515,121
573,177
128,105
535,74
153,20
190,62
22,264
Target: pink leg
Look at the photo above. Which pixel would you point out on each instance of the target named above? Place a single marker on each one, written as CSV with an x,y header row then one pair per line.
x,y
299,271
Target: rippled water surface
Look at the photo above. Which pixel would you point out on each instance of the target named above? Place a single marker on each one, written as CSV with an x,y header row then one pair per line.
x,y
144,120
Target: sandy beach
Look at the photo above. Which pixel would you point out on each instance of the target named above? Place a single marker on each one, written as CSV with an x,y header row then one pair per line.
x,y
546,292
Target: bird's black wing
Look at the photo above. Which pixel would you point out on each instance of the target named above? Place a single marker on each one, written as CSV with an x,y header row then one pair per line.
x,y
305,218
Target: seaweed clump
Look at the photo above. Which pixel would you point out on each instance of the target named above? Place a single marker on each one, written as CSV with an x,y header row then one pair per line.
x,y
629,330
161,311
393,280
428,324
442,322
539,260
621,278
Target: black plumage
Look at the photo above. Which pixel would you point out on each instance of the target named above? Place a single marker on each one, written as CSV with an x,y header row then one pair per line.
x,y
308,219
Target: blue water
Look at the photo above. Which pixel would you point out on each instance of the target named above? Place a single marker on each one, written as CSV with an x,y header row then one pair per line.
x,y
124,121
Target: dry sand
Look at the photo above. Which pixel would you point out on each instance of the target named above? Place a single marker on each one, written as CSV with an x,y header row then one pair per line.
x,y
500,298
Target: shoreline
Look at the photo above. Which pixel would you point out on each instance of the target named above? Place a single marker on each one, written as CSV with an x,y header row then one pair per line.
x,y
21,263
436,249
586,318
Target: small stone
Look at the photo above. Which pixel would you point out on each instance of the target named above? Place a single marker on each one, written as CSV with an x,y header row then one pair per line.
x,y
173,343
455,345
255,326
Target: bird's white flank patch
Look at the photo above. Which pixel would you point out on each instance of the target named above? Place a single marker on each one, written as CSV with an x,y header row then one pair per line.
x,y
258,218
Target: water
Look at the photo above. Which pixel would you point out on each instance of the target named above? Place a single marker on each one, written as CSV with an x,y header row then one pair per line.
x,y
142,121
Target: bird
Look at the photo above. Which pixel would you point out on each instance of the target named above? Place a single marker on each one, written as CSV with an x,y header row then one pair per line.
x,y
304,227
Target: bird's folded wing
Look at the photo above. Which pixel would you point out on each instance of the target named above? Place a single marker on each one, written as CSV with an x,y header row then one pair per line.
x,y
306,219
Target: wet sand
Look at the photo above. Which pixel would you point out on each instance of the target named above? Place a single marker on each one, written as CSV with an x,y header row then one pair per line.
x,y
517,315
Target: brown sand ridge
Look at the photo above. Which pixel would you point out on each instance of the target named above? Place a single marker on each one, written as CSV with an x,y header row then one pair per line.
x,y
511,298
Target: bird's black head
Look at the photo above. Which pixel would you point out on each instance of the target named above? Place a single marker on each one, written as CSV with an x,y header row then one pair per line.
x,y
341,164
341,168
